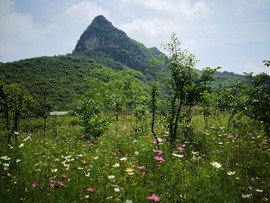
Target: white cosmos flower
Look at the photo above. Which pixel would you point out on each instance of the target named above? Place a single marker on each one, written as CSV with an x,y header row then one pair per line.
x,y
21,145
66,157
229,173
116,189
130,171
123,159
216,164
6,158
178,155
6,164
54,170
27,138
116,165
246,196
258,190
111,177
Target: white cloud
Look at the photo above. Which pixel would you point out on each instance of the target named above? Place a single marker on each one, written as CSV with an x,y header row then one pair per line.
x,y
84,11
17,31
170,8
198,11
255,68
148,31
158,19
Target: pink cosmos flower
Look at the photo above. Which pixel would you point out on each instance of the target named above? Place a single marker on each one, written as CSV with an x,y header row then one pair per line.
x,y
126,155
158,151
90,189
181,148
230,136
153,197
60,182
65,175
159,158
141,167
35,185
52,183
154,141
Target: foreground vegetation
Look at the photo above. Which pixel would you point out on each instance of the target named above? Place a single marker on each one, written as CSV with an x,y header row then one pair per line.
x,y
122,166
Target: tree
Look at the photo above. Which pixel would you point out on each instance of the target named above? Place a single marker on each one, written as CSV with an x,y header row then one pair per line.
x,y
181,65
14,100
260,99
185,85
233,101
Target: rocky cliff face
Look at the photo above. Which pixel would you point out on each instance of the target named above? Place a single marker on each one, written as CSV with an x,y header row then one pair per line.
x,y
101,34
101,38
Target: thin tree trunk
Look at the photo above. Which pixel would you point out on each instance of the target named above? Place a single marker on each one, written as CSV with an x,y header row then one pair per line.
x,y
172,127
153,114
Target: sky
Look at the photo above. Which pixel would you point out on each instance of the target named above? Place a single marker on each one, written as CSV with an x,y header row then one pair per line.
x,y
233,34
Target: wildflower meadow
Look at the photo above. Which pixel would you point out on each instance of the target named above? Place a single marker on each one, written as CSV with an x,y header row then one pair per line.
x,y
220,165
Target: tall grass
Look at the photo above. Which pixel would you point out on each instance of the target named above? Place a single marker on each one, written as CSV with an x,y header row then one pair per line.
x,y
218,165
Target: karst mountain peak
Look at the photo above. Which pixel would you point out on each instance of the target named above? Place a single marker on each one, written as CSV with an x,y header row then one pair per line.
x,y
102,38
101,34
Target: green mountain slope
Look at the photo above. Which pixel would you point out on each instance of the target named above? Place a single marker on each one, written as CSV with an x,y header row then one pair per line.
x,y
58,77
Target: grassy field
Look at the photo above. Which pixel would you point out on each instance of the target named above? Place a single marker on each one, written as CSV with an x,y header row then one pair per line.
x,y
209,165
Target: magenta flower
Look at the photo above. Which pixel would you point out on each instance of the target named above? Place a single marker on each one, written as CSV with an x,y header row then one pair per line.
x,y
90,189
81,137
52,183
141,167
230,136
35,185
158,151
153,197
181,148
159,158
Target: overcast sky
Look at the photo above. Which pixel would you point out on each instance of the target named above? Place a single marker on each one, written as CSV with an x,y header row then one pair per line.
x,y
234,34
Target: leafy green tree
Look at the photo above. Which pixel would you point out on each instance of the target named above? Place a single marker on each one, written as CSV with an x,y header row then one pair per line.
x,y
207,104
181,65
185,85
93,121
233,101
14,102
116,92
260,99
